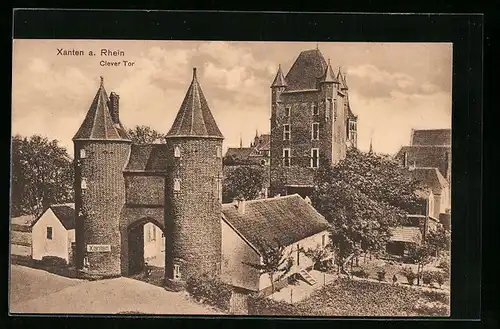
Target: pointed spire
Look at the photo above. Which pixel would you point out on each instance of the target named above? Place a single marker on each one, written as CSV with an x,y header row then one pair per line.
x,y
194,118
371,146
341,79
329,76
98,123
279,80
241,142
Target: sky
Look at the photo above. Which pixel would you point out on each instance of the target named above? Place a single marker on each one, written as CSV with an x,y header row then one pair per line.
x,y
393,87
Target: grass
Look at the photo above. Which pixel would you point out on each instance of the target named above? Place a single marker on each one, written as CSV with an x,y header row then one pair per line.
x,y
347,297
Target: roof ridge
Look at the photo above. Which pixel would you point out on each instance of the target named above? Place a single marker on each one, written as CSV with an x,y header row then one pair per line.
x,y
264,199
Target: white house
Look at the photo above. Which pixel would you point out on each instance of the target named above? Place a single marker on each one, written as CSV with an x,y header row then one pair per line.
x,y
154,245
53,232
20,235
247,225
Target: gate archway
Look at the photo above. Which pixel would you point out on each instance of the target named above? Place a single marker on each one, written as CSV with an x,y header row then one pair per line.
x,y
143,244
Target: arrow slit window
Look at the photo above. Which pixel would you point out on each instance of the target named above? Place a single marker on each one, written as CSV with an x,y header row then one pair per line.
x,y
83,154
177,184
177,151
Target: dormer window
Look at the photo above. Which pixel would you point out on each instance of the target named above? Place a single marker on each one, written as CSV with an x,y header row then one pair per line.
x,y
177,151
83,184
83,154
177,184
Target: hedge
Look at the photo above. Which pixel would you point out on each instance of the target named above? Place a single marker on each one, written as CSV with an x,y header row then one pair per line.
x,y
210,290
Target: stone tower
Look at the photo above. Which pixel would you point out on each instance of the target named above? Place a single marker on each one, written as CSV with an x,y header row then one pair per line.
x,y
102,148
193,191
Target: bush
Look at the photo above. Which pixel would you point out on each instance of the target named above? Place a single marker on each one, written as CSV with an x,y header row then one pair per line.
x,y
360,273
444,264
265,306
433,308
427,277
409,275
209,290
437,296
53,261
438,277
381,274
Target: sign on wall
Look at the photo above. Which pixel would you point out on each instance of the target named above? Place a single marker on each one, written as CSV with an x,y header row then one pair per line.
x,y
98,248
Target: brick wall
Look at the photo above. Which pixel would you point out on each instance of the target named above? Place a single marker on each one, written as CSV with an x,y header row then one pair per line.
x,y
192,218
145,190
100,203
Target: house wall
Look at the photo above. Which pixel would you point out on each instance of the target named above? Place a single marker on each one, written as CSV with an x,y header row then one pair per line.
x,y
154,244
235,251
304,261
41,246
438,206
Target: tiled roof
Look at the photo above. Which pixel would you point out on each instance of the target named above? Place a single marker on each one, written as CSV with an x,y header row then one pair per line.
x,y
98,124
239,153
286,220
426,156
148,158
22,220
406,234
436,137
194,118
431,177
263,142
309,66
64,212
279,80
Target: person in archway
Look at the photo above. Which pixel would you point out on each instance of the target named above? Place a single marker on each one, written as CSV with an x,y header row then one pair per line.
x,y
147,270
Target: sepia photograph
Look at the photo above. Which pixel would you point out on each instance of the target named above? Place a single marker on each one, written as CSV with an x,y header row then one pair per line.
x,y
231,178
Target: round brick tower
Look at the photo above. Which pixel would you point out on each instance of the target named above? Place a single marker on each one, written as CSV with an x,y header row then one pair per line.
x,y
102,148
193,191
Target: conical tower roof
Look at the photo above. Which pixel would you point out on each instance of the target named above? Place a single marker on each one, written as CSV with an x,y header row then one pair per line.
x,y
98,124
279,80
341,79
329,76
194,118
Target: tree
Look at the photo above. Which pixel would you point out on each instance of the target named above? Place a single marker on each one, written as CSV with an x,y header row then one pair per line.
x,y
357,223
273,261
146,135
316,254
439,240
242,182
42,174
381,178
420,255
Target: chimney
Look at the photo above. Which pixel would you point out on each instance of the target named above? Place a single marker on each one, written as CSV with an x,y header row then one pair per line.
x,y
241,206
114,107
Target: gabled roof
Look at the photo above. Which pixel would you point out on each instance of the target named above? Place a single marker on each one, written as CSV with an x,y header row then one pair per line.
x,y
64,212
431,177
285,220
148,158
194,118
406,234
279,80
239,153
98,124
434,137
309,66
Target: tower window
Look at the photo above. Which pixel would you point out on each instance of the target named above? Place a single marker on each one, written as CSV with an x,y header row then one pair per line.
x,y
315,131
314,158
83,184
177,151
218,184
286,132
177,272
49,233
405,159
314,109
323,240
218,152
83,154
177,184
286,157
288,110
334,108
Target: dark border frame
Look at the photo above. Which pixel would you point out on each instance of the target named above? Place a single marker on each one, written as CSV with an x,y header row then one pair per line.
x,y
465,31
